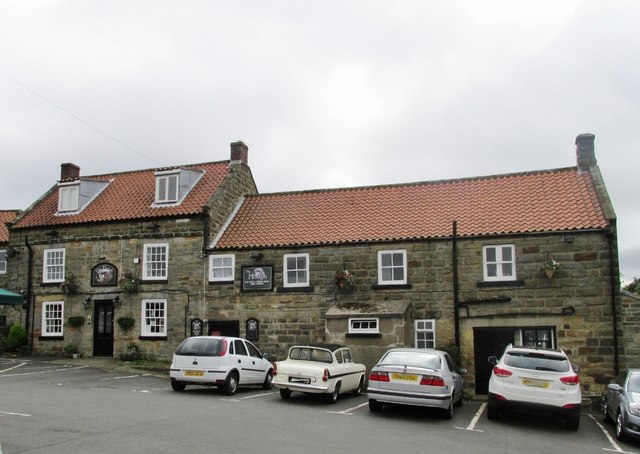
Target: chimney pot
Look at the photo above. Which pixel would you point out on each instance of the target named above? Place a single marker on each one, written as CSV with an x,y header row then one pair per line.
x,y
585,151
240,152
69,171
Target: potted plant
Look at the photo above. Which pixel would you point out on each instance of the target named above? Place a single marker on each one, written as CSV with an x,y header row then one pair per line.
x,y
344,280
550,266
68,286
126,323
72,349
76,321
128,283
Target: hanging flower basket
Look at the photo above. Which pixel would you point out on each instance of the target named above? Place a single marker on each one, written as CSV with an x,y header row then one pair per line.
x,y
549,267
344,281
76,321
126,323
68,286
128,283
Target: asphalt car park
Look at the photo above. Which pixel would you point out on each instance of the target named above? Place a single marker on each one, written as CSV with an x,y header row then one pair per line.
x,y
48,406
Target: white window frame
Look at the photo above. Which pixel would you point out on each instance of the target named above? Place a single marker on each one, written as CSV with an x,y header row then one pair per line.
x,y
222,267
166,183
304,282
421,329
364,325
153,269
392,267
153,319
3,261
52,319
499,263
53,261
69,197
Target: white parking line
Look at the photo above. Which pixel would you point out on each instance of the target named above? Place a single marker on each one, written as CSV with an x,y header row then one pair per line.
x,y
474,420
348,410
120,378
8,413
11,368
42,372
616,446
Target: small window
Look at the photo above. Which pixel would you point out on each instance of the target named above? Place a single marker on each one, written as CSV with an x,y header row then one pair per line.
x,y
167,188
392,267
154,318
296,270
534,337
499,262
363,325
156,261
69,198
52,318
240,348
425,333
3,261
221,267
53,267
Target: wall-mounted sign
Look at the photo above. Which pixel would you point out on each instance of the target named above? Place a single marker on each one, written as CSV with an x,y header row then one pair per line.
x,y
104,274
257,278
196,327
253,329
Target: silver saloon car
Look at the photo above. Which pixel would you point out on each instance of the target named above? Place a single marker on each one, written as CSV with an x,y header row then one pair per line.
x,y
621,404
420,377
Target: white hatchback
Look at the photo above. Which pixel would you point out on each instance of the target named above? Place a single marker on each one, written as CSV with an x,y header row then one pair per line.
x,y
538,380
225,362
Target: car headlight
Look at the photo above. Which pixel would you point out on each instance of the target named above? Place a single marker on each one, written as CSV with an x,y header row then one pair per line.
x,y
634,409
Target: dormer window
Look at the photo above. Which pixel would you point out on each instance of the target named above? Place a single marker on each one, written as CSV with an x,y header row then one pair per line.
x,y
74,196
68,198
173,185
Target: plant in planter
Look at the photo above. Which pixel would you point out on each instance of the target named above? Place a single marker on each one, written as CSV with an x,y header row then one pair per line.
x,y
344,280
72,349
126,323
549,267
68,286
76,321
132,352
128,283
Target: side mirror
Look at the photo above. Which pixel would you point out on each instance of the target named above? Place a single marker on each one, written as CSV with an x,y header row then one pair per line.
x,y
493,360
265,355
576,369
462,370
614,387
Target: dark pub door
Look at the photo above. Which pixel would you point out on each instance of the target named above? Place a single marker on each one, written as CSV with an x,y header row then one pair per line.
x,y
103,328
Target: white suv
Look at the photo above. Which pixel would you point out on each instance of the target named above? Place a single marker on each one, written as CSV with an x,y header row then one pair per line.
x,y
536,380
225,362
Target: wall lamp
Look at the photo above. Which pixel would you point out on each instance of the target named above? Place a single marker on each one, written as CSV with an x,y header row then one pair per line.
x,y
255,255
86,303
51,233
116,301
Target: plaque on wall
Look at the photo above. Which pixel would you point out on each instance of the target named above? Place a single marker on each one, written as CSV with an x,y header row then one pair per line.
x,y
253,329
196,327
257,278
104,274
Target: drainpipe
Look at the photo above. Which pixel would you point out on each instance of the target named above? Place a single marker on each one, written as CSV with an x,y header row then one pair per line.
x,y
29,297
454,260
613,285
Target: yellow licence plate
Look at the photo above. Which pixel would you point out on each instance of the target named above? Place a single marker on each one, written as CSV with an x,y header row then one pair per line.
x,y
404,377
535,383
193,373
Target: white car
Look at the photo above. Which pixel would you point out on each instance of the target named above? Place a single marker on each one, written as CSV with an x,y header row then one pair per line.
x,y
319,369
225,362
416,376
538,380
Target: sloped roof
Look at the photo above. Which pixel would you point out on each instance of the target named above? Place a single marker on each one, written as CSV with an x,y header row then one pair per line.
x,y
541,201
6,216
128,196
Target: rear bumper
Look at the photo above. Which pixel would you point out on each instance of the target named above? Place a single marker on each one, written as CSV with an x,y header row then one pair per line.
x,y
531,407
316,388
418,399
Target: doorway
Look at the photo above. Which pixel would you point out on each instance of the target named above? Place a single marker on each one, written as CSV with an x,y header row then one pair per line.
x,y
488,342
224,328
103,328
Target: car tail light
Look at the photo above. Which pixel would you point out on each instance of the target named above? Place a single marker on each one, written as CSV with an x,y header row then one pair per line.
x,y
378,376
274,372
570,380
501,372
569,406
325,375
432,380
223,347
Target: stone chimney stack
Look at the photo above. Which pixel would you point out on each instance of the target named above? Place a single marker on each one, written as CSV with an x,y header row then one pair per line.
x,y
240,152
69,171
585,151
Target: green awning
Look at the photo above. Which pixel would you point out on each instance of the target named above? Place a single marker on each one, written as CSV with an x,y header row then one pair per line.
x,y
7,297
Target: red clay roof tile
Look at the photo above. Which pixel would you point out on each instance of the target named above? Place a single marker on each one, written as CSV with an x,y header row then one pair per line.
x,y
6,216
543,201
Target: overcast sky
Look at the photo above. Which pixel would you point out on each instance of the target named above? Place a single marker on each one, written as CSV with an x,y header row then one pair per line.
x,y
324,93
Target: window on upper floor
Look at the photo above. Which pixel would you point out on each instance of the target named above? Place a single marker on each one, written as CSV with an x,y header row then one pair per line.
x,y
392,267
425,332
221,268
296,270
154,318
3,261
73,197
69,197
155,263
499,262
53,266
173,185
167,188
364,325
52,318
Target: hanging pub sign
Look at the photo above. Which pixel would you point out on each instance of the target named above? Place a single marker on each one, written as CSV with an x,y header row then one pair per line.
x,y
257,278
104,274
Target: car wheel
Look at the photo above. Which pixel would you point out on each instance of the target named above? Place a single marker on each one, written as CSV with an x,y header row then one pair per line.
x,y
605,412
492,412
333,396
231,384
285,393
356,392
268,381
620,427
573,422
448,413
178,386
374,405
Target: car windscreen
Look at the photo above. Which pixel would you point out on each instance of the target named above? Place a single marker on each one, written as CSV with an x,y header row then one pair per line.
x,y
310,354
537,361
200,347
634,383
418,359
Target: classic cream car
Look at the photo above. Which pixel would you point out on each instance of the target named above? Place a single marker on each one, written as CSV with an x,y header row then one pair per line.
x,y
319,369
